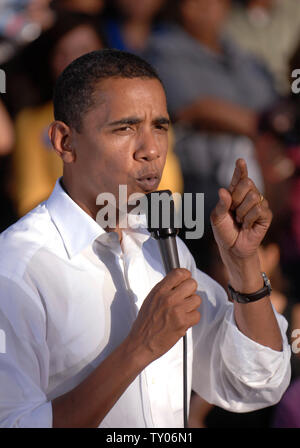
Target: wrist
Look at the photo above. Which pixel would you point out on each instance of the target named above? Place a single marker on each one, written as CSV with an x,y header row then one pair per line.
x,y
244,274
136,354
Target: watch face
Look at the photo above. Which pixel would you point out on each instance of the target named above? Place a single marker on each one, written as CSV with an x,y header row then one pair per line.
x,y
267,281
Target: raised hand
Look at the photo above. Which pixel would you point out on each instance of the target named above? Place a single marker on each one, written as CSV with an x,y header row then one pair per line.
x,y
242,216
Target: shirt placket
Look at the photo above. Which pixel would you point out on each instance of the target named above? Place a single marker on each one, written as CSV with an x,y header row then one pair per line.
x,y
156,393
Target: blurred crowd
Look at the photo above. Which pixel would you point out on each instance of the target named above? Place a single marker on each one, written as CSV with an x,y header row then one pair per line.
x,y
227,69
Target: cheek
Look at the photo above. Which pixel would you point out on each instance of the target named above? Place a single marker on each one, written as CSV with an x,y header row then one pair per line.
x,y
116,167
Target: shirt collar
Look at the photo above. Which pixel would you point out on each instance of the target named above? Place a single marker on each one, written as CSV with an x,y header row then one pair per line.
x,y
77,229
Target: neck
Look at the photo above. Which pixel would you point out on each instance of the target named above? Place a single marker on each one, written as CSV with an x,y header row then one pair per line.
x,y
89,206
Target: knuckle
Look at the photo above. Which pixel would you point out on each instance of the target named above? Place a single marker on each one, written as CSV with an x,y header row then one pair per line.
x,y
266,203
182,273
161,285
253,196
198,300
192,284
248,182
257,210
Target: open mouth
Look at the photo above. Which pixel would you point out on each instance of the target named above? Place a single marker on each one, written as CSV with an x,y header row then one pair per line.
x,y
148,182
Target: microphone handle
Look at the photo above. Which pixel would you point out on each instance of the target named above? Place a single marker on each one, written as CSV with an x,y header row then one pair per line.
x,y
169,253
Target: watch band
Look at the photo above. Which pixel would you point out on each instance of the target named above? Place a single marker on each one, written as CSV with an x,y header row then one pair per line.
x,y
248,298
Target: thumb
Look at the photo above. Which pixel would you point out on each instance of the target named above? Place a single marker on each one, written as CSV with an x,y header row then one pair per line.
x,y
222,208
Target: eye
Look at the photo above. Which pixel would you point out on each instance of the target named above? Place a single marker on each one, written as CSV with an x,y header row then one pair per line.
x,y
123,129
162,127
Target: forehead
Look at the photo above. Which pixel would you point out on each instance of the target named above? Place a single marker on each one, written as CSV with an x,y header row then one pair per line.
x,y
119,96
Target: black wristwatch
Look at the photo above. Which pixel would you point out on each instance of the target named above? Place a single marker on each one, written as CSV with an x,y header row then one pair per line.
x,y
247,298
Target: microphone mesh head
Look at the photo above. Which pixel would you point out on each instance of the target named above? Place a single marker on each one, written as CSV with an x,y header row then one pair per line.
x,y
160,212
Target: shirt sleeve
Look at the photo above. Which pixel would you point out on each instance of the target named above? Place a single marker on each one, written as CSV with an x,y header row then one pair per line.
x,y
24,358
229,369
242,375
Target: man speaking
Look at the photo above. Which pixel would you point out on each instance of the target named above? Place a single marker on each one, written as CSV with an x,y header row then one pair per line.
x,y
93,327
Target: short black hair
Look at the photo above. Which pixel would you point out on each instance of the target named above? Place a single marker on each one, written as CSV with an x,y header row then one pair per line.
x,y
74,89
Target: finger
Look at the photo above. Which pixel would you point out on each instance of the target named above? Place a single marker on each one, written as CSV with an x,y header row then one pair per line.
x,y
173,279
257,214
264,202
192,303
240,172
222,207
251,199
240,192
184,290
194,318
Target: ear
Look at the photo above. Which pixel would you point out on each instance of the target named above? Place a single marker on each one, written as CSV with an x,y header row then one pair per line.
x,y
60,135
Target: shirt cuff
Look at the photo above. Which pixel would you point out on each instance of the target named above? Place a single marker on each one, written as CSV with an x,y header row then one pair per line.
x,y
254,364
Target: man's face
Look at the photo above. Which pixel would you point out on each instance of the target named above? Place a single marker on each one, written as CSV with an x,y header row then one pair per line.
x,y
123,139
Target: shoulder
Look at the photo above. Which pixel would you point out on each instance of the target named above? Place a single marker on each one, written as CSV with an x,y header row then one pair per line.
x,y
21,241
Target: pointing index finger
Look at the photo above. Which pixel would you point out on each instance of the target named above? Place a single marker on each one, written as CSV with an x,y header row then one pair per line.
x,y
240,172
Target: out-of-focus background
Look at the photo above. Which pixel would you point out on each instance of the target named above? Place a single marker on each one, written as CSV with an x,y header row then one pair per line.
x,y
228,67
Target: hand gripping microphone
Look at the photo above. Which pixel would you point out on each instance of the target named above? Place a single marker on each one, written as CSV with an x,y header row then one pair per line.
x,y
161,224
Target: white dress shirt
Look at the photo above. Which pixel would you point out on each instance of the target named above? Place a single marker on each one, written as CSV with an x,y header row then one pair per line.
x,y
69,293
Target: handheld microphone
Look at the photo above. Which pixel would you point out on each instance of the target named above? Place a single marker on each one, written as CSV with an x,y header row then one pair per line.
x,y
161,225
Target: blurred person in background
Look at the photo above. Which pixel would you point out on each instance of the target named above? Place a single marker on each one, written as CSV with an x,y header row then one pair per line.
x,y
6,131
36,166
7,138
21,22
216,93
91,7
287,414
280,157
129,23
270,29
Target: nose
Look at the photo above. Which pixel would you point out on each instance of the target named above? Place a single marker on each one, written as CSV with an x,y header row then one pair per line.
x,y
148,148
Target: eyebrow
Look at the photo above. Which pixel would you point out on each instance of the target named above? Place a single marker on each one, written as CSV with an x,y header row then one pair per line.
x,y
135,120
